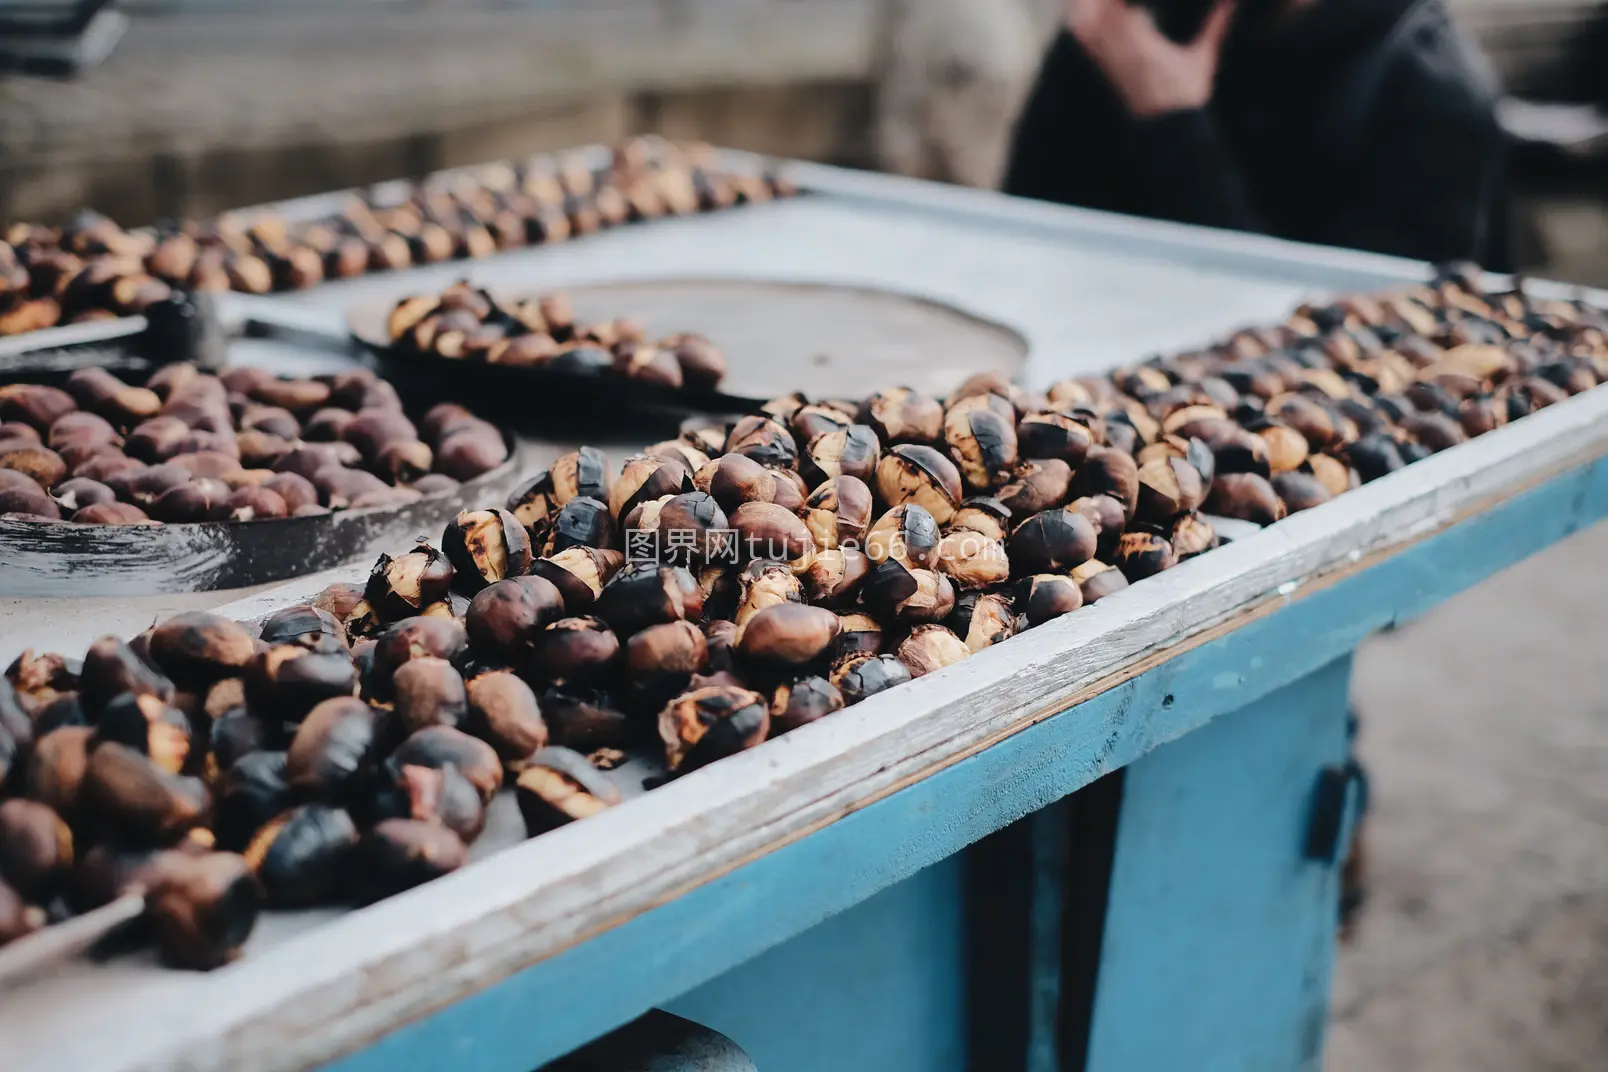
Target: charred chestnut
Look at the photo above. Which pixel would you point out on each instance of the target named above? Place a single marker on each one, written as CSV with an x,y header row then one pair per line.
x,y
801,702
399,854
982,441
764,440
983,515
982,619
764,584
200,648
857,679
1053,540
850,451
838,513
901,415
973,560
911,596
1192,535
1300,491
1108,471
579,574
787,635
36,849
907,535
147,725
202,908
711,723
1144,554
134,801
503,712
559,786
1053,434
644,594
428,692
1097,580
735,479
505,618
304,856
644,479
404,585
251,792
485,546
335,751
289,680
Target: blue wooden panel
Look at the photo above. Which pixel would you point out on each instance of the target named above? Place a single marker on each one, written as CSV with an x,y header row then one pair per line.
x,y
554,1006
876,988
1219,936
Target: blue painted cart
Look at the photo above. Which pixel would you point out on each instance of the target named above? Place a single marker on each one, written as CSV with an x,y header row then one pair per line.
x,y
1109,844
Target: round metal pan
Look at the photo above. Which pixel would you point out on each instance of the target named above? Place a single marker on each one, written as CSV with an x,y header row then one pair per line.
x,y
40,558
778,337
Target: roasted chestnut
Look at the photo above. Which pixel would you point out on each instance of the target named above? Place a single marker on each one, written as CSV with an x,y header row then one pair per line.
x,y
1168,487
859,678
304,625
1244,496
559,786
1098,580
404,585
505,618
901,415
1108,471
55,768
149,726
764,584
251,791
199,648
1192,535
437,746
644,594
1045,596
36,849
1053,540
335,750
982,619
850,451
202,908
982,441
909,595
972,560
288,680
1035,486
579,574
428,692
707,724
838,513
798,703
834,576
787,635
412,638
764,440
929,648
581,522
644,479
771,532
1144,554
983,515
134,801
1299,491
485,546
304,856
574,651
399,854
1053,434
429,794
503,712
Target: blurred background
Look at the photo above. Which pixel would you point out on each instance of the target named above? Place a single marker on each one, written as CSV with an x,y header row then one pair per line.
x,y
212,104
1485,942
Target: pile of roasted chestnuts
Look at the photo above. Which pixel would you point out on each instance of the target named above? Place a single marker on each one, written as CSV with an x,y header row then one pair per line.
x,y
466,322
243,445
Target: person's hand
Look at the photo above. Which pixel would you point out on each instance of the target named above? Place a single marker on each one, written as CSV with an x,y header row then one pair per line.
x,y
1151,73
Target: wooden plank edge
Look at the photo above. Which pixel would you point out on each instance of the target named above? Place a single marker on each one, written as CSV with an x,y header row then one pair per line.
x,y
529,903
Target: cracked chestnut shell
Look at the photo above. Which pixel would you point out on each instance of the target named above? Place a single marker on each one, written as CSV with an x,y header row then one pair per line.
x,y
711,723
972,560
304,856
581,522
838,513
1045,596
984,515
764,584
913,473
1244,496
763,440
1109,518
202,908
436,746
834,576
135,802
1144,554
1108,471
559,786
1051,434
1098,580
412,638
1192,535
399,854
1053,540
858,635
36,849
902,415
334,753
982,619
199,648
798,703
579,574
691,527
429,794
702,363
850,451
644,479
303,625
787,635
1168,486
1036,485
982,441
485,546
907,534
929,648
111,667
584,719
402,586
771,532
910,596
859,678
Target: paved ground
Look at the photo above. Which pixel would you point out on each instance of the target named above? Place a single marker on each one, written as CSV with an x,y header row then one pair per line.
x,y
1486,728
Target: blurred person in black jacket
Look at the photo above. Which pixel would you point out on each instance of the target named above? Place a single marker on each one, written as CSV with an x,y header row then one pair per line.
x,y
1361,123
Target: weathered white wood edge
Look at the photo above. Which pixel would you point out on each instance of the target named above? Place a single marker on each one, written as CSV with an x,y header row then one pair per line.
x,y
338,988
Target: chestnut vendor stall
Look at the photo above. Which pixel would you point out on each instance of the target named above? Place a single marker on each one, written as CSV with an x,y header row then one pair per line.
x,y
1109,843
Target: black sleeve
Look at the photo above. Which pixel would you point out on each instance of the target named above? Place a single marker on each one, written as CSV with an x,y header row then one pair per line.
x,y
1076,144
1432,174
1180,169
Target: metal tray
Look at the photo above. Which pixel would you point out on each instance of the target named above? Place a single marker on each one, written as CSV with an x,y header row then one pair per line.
x,y
778,337
60,559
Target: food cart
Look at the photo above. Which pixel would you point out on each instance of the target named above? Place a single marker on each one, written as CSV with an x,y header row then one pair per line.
x,y
1111,843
